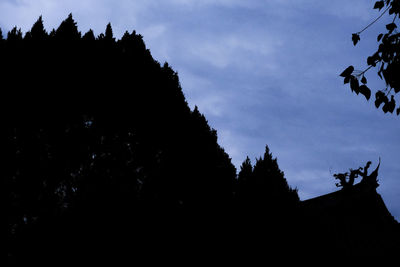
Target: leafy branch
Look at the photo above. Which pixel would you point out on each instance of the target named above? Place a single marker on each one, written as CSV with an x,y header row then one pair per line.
x,y
386,58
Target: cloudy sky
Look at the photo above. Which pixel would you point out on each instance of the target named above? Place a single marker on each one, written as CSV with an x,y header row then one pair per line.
x,y
263,73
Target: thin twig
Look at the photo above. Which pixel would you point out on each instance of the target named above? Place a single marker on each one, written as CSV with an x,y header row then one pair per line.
x,y
394,18
388,91
374,20
362,73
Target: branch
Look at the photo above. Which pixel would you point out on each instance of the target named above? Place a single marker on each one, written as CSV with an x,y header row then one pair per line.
x,y
394,18
388,91
364,71
374,20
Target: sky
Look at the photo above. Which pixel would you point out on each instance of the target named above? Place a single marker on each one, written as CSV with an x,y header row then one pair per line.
x,y
263,73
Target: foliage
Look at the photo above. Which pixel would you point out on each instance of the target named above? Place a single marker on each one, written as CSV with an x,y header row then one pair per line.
x,y
101,144
386,59
265,186
97,128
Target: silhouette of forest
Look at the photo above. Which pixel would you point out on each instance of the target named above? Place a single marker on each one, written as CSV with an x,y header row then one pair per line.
x,y
107,162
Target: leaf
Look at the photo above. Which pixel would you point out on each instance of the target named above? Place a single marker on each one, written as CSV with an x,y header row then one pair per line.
x,y
391,26
364,80
347,72
355,37
379,5
380,98
365,91
398,111
380,37
371,61
389,105
354,85
347,79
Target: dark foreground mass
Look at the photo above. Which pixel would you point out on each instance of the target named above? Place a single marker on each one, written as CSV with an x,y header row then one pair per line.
x,y
107,163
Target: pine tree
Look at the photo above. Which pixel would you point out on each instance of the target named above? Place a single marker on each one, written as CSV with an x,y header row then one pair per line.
x,y
245,175
264,186
68,30
14,35
246,170
89,36
37,31
109,36
269,178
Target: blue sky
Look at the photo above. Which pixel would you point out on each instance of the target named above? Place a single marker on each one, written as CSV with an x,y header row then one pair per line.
x,y
263,72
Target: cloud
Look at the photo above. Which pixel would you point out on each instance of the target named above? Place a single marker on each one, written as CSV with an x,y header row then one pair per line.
x,y
233,50
316,181
214,3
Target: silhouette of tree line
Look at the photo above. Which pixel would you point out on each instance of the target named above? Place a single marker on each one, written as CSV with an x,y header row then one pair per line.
x,y
105,157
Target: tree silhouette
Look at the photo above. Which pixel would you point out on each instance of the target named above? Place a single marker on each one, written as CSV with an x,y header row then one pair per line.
x,y
266,208
264,186
14,35
109,33
68,30
102,143
244,178
89,36
386,59
37,32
